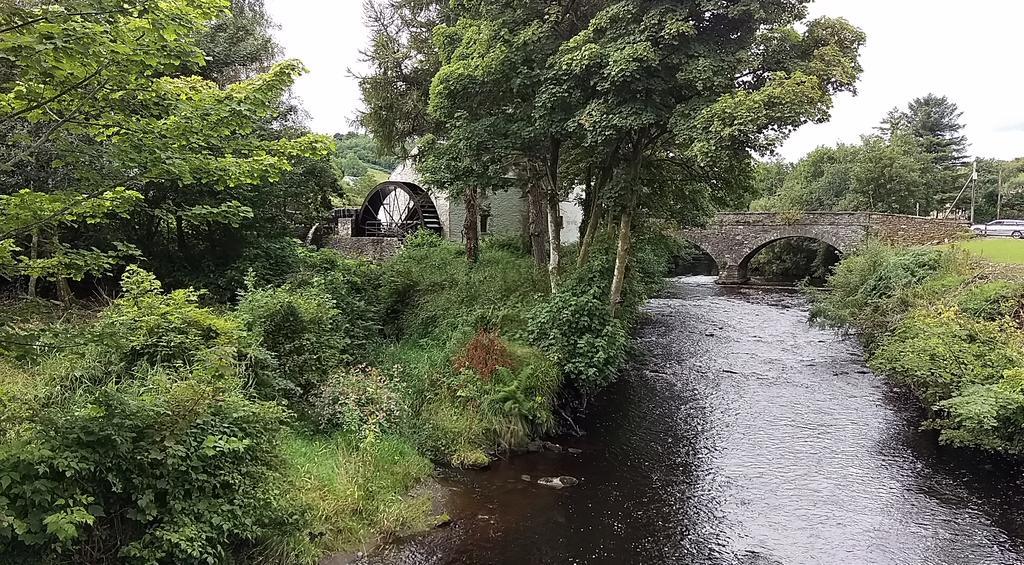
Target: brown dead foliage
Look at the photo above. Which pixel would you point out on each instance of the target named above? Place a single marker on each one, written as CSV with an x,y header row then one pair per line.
x,y
484,355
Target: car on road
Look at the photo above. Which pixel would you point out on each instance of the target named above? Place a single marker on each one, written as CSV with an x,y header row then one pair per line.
x,y
1004,228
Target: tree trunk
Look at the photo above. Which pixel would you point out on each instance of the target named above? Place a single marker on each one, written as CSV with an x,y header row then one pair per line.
x,y
555,237
625,235
588,237
471,227
588,201
179,233
64,291
622,256
33,280
554,213
594,216
537,223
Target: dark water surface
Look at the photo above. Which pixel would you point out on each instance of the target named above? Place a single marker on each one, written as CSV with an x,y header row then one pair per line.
x,y
743,436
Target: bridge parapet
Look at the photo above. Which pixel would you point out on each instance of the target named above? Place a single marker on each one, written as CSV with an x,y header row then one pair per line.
x,y
733,239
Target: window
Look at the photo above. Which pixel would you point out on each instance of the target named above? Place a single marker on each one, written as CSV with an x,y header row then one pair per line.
x,y
484,217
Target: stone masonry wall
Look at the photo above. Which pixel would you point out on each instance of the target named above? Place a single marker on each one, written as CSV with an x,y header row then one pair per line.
x,y
372,248
733,239
910,230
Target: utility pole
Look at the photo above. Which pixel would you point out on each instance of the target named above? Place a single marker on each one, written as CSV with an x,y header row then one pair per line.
x,y
974,189
999,195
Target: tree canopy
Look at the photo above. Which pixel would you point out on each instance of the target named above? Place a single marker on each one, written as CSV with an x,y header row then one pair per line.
x,y
657,106
126,153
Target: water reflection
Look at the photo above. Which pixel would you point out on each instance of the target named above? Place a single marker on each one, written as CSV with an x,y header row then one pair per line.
x,y
742,436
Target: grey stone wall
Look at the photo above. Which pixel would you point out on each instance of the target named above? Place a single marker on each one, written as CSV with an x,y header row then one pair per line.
x,y
371,248
911,230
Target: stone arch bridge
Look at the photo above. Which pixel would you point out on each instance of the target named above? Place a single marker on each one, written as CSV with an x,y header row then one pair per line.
x,y
733,239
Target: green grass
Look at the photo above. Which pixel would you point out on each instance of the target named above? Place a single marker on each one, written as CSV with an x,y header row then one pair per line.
x,y
356,493
996,250
379,176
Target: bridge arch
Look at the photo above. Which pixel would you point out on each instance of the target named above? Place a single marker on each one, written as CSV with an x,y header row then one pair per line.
x,y
702,256
743,268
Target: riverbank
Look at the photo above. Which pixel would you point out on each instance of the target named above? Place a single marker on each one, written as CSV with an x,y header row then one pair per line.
x,y
948,327
742,434
300,421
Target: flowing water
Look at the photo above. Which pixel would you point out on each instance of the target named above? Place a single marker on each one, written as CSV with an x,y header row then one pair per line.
x,y
742,435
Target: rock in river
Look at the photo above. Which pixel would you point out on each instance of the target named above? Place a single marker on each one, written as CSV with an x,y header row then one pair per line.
x,y
558,482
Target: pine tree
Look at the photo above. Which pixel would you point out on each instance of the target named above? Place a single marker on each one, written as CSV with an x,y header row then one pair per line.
x,y
935,122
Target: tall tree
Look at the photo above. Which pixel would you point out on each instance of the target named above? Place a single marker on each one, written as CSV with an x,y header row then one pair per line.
x,y
403,60
682,93
935,122
893,176
494,99
240,44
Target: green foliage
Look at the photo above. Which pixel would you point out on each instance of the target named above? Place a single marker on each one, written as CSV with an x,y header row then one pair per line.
x,y
96,102
892,175
240,44
576,327
146,330
326,315
988,416
299,328
938,353
992,301
363,402
439,295
967,369
352,492
160,470
1000,189
580,333
362,152
935,122
933,323
872,289
423,239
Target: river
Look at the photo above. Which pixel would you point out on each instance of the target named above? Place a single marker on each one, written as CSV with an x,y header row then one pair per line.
x,y
742,435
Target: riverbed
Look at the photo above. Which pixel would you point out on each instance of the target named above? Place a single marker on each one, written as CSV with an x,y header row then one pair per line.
x,y
742,435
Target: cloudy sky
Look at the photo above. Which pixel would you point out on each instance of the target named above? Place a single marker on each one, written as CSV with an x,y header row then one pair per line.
x,y
969,51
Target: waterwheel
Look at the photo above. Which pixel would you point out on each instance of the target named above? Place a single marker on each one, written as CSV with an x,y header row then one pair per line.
x,y
397,209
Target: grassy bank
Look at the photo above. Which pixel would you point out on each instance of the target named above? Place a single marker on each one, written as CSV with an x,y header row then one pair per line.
x,y
996,250
297,421
943,325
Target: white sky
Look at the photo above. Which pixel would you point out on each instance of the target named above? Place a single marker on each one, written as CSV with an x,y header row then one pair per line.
x,y
969,51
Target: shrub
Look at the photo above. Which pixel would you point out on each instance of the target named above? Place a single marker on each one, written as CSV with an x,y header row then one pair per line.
x,y
874,288
579,333
423,239
145,328
300,330
511,243
169,469
364,402
266,262
992,301
519,404
987,416
358,291
939,353
438,295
